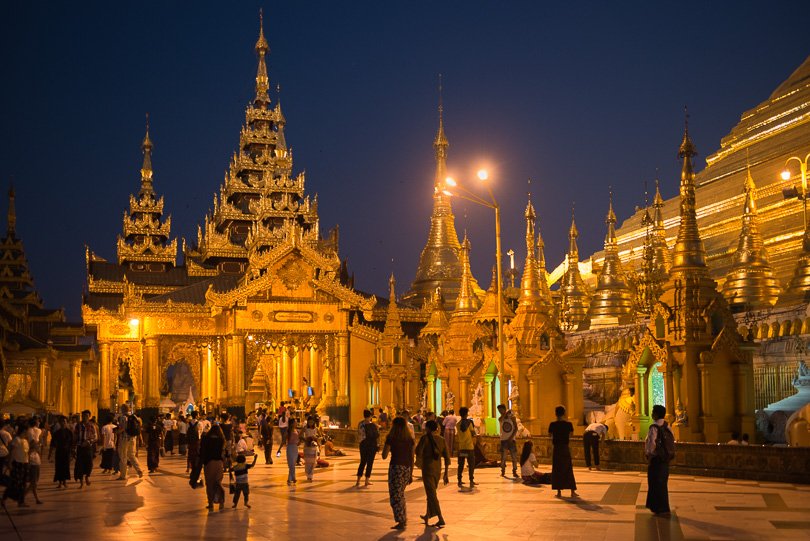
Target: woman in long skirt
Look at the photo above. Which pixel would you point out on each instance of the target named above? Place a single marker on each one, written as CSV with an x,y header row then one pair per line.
x,y
292,451
562,470
400,444
154,445
61,445
19,468
429,452
212,452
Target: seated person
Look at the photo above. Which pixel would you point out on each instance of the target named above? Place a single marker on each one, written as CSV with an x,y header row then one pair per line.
x,y
529,475
329,448
481,460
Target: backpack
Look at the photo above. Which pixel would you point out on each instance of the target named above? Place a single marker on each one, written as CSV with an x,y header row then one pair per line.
x,y
133,428
664,443
372,432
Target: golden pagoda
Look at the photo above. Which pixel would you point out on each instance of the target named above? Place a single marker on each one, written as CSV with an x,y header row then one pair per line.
x,y
575,297
750,283
798,289
439,263
612,300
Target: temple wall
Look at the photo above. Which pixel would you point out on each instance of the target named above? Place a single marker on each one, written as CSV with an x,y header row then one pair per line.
x,y
360,358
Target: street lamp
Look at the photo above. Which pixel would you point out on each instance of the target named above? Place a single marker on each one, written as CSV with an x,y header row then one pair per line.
x,y
799,191
483,176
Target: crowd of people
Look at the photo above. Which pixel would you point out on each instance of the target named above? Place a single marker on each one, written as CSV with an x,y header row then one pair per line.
x,y
216,444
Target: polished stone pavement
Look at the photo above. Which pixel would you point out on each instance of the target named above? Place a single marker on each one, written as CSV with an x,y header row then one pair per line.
x,y
163,506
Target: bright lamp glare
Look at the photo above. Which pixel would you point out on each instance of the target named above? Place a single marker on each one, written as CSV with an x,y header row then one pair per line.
x,y
447,193
450,181
134,322
483,174
785,175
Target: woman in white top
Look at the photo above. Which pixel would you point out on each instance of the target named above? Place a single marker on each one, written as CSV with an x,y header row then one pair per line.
x,y
19,467
527,461
34,436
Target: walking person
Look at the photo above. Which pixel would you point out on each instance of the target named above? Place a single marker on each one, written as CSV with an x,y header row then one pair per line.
x,y
154,443
182,435
465,436
508,428
400,444
292,451
593,433
266,437
61,446
283,427
429,453
562,470
107,446
192,442
128,436
659,449
212,454
369,435
34,435
18,478
85,438
450,421
239,472
311,452
169,425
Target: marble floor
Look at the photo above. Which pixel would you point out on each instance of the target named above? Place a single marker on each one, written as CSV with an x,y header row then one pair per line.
x,y
163,507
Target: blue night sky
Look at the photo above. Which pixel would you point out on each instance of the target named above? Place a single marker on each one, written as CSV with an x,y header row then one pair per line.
x,y
576,96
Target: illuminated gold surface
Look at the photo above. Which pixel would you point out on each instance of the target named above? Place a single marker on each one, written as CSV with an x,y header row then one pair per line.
x,y
575,296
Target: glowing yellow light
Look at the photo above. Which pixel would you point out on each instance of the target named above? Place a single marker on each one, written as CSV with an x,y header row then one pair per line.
x,y
447,193
483,174
450,181
134,322
785,175
250,337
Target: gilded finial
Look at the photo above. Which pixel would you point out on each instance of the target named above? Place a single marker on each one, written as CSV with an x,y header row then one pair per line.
x,y
12,213
262,81
687,148
575,296
688,251
440,144
146,147
467,300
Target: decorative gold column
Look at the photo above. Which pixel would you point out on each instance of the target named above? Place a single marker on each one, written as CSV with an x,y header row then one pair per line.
x,y
464,392
534,407
42,381
669,391
295,360
705,389
343,369
75,385
569,395
151,375
104,376
641,391
431,384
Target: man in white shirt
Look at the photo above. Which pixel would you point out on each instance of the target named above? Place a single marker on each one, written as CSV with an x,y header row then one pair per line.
x,y
593,433
449,423
169,425
108,447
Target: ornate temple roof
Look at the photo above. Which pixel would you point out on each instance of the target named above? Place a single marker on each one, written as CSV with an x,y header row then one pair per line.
x,y
16,282
750,283
488,313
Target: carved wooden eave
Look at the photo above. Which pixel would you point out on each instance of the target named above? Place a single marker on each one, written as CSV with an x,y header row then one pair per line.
x,y
109,286
349,296
145,306
411,315
294,242
729,340
551,355
659,349
365,332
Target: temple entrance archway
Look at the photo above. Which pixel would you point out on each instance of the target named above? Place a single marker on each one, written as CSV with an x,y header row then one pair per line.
x,y
180,382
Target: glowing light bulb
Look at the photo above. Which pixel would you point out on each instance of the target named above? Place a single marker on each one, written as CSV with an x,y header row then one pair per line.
x,y
134,322
450,181
785,175
483,174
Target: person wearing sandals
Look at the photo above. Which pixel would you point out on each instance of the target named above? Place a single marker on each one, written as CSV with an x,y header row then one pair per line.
x,y
399,443
429,453
562,470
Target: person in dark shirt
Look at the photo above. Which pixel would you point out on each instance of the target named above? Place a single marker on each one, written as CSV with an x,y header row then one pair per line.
x,y
562,470
399,443
212,451
240,473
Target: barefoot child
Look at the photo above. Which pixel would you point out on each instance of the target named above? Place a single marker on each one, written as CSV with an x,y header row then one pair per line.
x,y
240,471
310,456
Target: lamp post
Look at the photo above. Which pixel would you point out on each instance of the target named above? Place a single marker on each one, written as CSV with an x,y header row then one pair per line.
x,y
800,191
483,176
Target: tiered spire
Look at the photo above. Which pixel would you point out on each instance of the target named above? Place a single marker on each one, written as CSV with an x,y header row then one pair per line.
x,y
542,274
575,296
612,302
798,290
439,263
656,259
531,292
16,283
145,238
393,322
688,252
750,283
437,323
467,300
260,204
488,313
